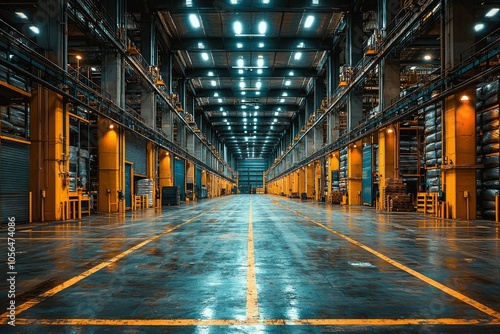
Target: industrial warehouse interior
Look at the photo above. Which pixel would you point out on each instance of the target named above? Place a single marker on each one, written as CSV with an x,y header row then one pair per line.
x,y
250,166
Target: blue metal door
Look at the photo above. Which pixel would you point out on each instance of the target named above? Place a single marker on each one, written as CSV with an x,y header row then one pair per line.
x,y
128,188
180,177
367,182
197,180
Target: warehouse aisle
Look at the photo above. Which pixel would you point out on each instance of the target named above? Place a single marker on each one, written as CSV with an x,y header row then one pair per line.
x,y
257,264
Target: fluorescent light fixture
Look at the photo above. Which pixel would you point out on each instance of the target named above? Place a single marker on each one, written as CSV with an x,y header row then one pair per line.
x,y
258,84
257,93
255,119
234,2
255,127
492,12
210,74
189,3
413,68
225,120
22,15
297,55
291,73
255,113
256,108
285,94
479,27
229,127
244,119
93,69
265,2
35,29
216,94
464,98
427,57
244,126
279,109
282,100
238,28
261,45
262,27
219,100
244,107
244,114
240,62
195,21
201,45
272,127
224,113
315,2
243,93
239,45
288,83
276,113
309,21
204,55
214,83
260,62
259,71
242,84
301,45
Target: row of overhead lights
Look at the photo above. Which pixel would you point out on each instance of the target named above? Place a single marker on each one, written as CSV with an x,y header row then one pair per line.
x,y
489,14
33,28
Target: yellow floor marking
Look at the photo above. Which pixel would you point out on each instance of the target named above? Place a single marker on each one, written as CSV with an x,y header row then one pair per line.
x,y
73,238
481,307
254,322
49,293
451,227
252,298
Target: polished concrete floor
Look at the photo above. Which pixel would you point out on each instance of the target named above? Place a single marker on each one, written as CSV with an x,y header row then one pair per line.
x,y
256,264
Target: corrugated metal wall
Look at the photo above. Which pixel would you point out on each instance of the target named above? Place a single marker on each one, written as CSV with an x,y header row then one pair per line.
x,y
180,177
250,174
14,181
136,152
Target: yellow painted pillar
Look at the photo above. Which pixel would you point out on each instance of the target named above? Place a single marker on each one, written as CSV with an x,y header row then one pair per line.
x,y
460,155
354,170
317,181
333,165
111,166
165,161
151,168
310,180
301,180
49,181
386,158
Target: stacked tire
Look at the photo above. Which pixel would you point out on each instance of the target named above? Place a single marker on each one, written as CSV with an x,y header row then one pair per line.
x,y
488,148
343,171
433,147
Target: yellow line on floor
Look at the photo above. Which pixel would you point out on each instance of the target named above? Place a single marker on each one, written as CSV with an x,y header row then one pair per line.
x,y
72,238
49,293
481,307
252,298
253,322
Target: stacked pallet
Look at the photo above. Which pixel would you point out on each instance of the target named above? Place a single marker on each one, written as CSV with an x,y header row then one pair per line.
x,y
343,171
144,187
336,197
400,203
433,147
393,188
171,195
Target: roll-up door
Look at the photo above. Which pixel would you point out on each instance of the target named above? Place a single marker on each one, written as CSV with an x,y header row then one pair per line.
x,y
14,181
136,152
197,178
180,177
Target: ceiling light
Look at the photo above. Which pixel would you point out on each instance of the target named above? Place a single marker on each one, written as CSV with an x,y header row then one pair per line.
x,y
219,100
195,21
238,28
229,127
427,57
244,126
260,62
272,127
287,83
243,107
275,120
216,94
479,27
258,84
464,98
259,71
189,3
265,2
261,45
239,45
240,62
276,113
35,29
201,45
246,132
78,57
255,119
290,73
298,55
492,12
22,15
244,119
309,21
244,114
225,120
301,45
315,2
413,68
93,69
224,113
240,71
234,2
262,27
243,100
243,93
257,93
210,74
214,83
285,94
256,107
282,100
242,84
204,55
111,126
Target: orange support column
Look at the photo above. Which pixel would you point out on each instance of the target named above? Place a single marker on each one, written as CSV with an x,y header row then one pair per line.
x,y
386,158
354,170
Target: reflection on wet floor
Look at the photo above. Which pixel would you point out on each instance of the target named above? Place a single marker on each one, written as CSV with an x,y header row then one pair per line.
x,y
257,263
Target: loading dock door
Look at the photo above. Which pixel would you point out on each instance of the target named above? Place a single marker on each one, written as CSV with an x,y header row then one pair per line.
x,y
197,178
367,181
128,186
